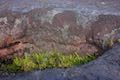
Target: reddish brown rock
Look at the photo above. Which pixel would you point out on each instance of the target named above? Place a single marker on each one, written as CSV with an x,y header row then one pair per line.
x,y
68,26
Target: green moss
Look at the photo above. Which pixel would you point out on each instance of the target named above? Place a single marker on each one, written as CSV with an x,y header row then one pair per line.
x,y
118,40
46,60
110,42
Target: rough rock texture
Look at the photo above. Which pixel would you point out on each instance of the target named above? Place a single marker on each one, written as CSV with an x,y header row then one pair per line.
x,y
68,26
106,67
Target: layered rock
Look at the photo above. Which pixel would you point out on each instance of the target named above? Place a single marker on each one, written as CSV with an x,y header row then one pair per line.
x,y
82,26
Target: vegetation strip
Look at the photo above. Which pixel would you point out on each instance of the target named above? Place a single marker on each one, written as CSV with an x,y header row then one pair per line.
x,y
45,60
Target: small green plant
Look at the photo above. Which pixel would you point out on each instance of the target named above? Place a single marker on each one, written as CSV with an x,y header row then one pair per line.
x,y
118,40
46,60
25,63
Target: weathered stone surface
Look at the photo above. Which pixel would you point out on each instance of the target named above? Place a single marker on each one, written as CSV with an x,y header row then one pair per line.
x,y
67,26
106,67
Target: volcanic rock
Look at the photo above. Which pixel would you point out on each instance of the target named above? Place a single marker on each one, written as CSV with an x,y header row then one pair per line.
x,y
66,26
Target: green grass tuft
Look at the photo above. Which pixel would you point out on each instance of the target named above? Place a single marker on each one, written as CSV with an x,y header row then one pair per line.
x,y
45,60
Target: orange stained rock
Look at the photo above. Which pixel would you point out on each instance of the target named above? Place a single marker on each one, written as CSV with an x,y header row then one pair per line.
x,y
17,49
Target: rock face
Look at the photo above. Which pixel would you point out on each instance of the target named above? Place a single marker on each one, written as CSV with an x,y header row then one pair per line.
x,y
106,67
68,26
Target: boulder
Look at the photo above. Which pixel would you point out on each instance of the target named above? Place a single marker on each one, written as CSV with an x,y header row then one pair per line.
x,y
67,26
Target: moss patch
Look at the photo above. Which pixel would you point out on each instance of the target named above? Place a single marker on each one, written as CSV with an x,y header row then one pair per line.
x,y
45,60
